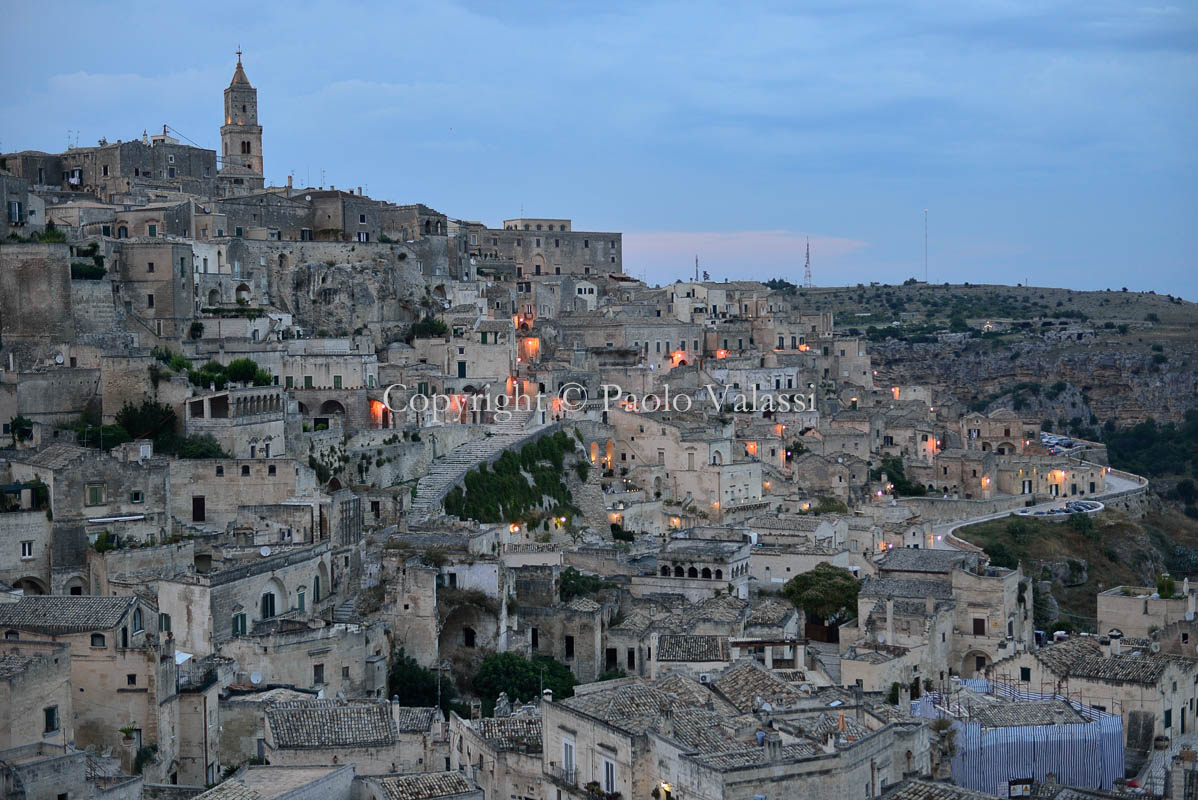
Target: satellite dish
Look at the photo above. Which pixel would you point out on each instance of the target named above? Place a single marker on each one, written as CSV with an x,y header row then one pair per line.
x,y
255,678
806,689
58,359
882,638
264,551
1156,647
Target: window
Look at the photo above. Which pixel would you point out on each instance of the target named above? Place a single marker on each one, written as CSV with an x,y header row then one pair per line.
x,y
609,776
979,626
268,605
237,231
271,469
137,497
170,172
307,381
469,637
300,597
27,549
95,494
245,470
149,301
149,266
317,674
152,230
50,717
336,381
569,647
361,219
164,622
1025,674
239,624
98,640
536,638
131,679
220,472
137,621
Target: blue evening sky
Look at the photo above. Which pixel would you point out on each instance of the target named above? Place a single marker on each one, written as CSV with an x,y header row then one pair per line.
x,y
1053,142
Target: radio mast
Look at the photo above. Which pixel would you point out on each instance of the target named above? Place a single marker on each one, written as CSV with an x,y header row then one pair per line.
x,y
807,284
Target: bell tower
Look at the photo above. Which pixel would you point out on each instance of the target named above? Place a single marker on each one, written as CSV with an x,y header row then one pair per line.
x,y
241,135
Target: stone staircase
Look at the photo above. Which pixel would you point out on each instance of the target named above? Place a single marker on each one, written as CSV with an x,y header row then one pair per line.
x,y
447,471
347,612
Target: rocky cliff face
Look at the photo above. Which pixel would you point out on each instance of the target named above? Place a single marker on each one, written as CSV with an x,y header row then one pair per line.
x,y
1106,379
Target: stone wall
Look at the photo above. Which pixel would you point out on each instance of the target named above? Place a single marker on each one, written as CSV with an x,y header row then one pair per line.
x,y
35,292
17,527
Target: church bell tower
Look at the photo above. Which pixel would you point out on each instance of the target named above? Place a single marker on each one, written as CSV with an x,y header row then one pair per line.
x,y
241,135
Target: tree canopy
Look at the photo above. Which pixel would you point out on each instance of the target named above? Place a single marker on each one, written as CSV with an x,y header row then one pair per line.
x,y
827,592
520,678
415,685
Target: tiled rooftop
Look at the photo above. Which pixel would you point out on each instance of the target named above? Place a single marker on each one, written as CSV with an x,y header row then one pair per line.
x,y
316,725
425,785
906,559
903,587
511,733
64,613
692,648
747,684
1006,715
1082,658
414,718
927,790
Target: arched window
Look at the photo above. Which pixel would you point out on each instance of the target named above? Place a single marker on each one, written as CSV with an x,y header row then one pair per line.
x,y
706,572
719,574
468,637
316,589
678,572
692,573
98,640
137,626
665,571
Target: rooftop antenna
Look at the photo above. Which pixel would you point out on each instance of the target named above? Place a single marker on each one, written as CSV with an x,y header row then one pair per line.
x,y
696,268
925,245
807,284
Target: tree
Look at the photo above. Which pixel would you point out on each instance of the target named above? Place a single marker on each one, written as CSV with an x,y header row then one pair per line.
x,y
521,678
204,446
415,685
827,592
241,370
21,429
575,584
150,420
1187,491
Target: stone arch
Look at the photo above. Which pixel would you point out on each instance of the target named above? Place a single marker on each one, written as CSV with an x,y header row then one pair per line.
x,y
985,447
609,454
1007,449
706,573
594,452
538,264
334,484
665,572
321,585
717,458
214,297
657,485
280,604
75,585
974,663
719,574
692,573
677,571
31,585
332,407
243,292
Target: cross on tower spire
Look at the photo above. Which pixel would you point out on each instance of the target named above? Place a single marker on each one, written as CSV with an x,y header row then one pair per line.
x,y
239,54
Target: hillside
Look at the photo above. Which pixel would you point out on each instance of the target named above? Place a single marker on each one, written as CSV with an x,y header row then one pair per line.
x,y
1078,359
1074,561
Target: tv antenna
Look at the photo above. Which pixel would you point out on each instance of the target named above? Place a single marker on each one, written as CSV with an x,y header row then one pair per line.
x,y
925,245
807,284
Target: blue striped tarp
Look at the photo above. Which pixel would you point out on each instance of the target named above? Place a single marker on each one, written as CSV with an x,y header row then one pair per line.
x,y
1086,755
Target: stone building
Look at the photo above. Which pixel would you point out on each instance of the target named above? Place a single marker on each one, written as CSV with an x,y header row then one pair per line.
x,y
428,786
35,693
378,738
502,754
306,782
629,737
123,672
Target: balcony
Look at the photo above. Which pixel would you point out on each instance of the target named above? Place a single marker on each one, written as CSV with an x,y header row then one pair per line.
x,y
563,776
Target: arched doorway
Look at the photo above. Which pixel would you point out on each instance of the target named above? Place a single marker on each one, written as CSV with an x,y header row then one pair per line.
x,y
243,293
332,407
974,663
214,297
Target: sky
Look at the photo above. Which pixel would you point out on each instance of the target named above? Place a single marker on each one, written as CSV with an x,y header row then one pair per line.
x,y
1053,143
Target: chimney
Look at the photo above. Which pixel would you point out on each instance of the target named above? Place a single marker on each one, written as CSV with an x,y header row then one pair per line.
x,y
1116,643
288,181
1058,715
889,620
1104,642
359,191
665,720
547,696
858,697
773,746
